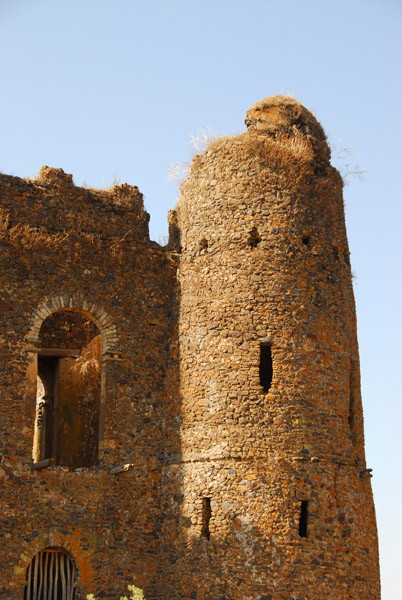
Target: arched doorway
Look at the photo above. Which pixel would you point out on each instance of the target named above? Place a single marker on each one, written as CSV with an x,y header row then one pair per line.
x,y
68,390
51,575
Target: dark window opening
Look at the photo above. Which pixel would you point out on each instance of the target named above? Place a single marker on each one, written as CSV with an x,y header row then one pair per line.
x,y
351,413
306,240
206,517
303,518
68,391
46,408
50,574
265,366
253,238
351,416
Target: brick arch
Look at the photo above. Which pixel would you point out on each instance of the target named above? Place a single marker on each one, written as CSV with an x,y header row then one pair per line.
x,y
70,544
77,302
61,574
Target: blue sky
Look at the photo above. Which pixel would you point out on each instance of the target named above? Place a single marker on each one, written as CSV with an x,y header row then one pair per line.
x,y
112,91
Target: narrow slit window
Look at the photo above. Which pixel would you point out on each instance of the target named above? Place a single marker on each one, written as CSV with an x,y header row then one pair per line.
x,y
204,244
265,366
206,517
351,416
353,384
253,238
303,518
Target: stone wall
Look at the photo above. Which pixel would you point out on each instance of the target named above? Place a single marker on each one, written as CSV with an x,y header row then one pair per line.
x,y
71,256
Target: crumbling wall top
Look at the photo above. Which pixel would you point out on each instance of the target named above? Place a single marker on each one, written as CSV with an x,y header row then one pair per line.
x,y
54,176
52,202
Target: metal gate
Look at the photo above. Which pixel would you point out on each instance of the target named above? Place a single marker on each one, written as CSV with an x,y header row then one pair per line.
x,y
50,576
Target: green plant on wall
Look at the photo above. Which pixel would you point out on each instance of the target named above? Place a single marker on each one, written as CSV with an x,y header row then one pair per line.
x,y
136,593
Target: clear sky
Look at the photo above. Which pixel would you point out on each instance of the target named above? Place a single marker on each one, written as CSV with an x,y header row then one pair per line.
x,y
111,90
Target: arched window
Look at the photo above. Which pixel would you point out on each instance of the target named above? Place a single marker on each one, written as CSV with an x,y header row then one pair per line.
x,y
68,390
50,575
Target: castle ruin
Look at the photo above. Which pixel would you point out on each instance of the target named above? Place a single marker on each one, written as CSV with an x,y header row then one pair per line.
x,y
185,418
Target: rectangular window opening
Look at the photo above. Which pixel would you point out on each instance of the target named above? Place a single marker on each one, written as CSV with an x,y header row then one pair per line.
x,y
303,518
266,371
206,517
46,407
68,391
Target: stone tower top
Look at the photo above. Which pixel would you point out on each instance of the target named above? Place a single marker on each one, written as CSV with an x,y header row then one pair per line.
x,y
285,116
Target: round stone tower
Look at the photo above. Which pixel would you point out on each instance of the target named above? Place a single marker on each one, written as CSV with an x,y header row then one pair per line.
x,y
275,497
